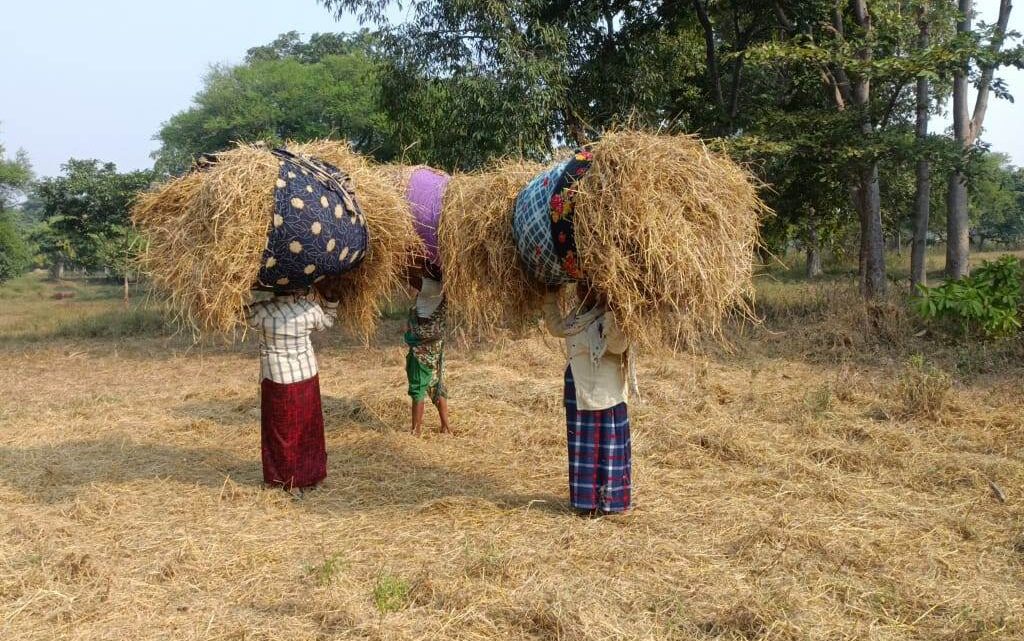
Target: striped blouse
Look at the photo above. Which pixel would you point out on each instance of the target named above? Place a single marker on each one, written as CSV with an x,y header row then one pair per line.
x,y
284,324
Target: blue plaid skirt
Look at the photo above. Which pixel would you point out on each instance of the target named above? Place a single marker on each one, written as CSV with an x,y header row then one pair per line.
x,y
600,457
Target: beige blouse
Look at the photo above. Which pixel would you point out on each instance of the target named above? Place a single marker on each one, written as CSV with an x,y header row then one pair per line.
x,y
601,383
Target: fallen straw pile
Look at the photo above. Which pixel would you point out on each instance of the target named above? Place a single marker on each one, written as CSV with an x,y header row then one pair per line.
x,y
665,228
484,281
206,233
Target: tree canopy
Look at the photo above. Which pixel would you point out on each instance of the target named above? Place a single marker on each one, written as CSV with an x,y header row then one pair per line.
x,y
289,89
85,212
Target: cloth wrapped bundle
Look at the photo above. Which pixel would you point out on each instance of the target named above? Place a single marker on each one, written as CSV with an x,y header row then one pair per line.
x,y
661,226
318,229
543,226
425,193
252,218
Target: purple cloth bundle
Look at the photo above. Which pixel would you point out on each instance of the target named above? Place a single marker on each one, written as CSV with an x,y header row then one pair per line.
x,y
425,194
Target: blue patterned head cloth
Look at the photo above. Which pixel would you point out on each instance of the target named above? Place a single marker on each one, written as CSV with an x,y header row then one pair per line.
x,y
542,223
318,229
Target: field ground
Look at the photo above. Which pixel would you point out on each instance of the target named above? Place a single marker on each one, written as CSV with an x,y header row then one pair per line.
x,y
817,481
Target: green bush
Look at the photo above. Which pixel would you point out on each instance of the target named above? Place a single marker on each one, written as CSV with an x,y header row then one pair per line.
x,y
15,256
986,303
391,594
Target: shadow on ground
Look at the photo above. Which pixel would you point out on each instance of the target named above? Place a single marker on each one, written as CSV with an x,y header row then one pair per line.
x,y
373,472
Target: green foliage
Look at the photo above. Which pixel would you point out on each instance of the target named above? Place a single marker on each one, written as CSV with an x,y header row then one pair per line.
x,y
15,177
325,572
996,200
15,255
288,90
390,594
86,213
467,81
986,303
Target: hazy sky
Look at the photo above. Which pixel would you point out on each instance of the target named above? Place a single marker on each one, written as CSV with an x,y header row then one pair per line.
x,y
96,79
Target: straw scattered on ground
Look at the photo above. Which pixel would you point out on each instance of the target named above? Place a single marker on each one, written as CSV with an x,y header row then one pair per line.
x,y
206,233
779,496
484,280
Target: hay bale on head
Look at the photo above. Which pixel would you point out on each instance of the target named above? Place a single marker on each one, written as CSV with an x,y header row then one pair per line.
x,y
663,227
484,280
394,244
205,237
207,233
667,230
423,188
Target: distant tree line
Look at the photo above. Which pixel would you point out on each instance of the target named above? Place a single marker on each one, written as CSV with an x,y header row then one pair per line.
x,y
830,102
79,219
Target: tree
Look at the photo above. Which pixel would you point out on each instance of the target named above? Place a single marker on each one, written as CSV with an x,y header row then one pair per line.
x,y
469,80
996,201
85,209
967,128
289,89
923,177
15,256
15,177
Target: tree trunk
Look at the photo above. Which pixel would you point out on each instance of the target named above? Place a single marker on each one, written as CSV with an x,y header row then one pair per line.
x,y
958,242
923,189
814,269
710,55
57,269
966,129
127,295
869,199
873,281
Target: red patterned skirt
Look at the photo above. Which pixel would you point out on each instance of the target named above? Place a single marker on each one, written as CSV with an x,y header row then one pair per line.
x,y
292,433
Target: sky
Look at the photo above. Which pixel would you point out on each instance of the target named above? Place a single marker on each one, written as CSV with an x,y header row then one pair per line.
x,y
97,79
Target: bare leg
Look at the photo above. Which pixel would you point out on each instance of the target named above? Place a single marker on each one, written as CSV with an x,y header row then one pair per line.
x,y
417,416
442,411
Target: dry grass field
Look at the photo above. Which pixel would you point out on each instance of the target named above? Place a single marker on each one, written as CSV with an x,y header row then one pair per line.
x,y
810,483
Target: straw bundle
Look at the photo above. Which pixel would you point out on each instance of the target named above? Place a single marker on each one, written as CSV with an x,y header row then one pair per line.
x,y
394,244
423,188
207,231
484,279
666,230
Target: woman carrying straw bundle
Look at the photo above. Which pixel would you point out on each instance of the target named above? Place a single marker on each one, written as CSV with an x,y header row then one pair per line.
x,y
595,397
292,443
309,244
424,364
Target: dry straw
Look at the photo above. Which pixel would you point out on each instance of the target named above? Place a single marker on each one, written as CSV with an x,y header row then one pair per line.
x,y
206,233
665,228
484,280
